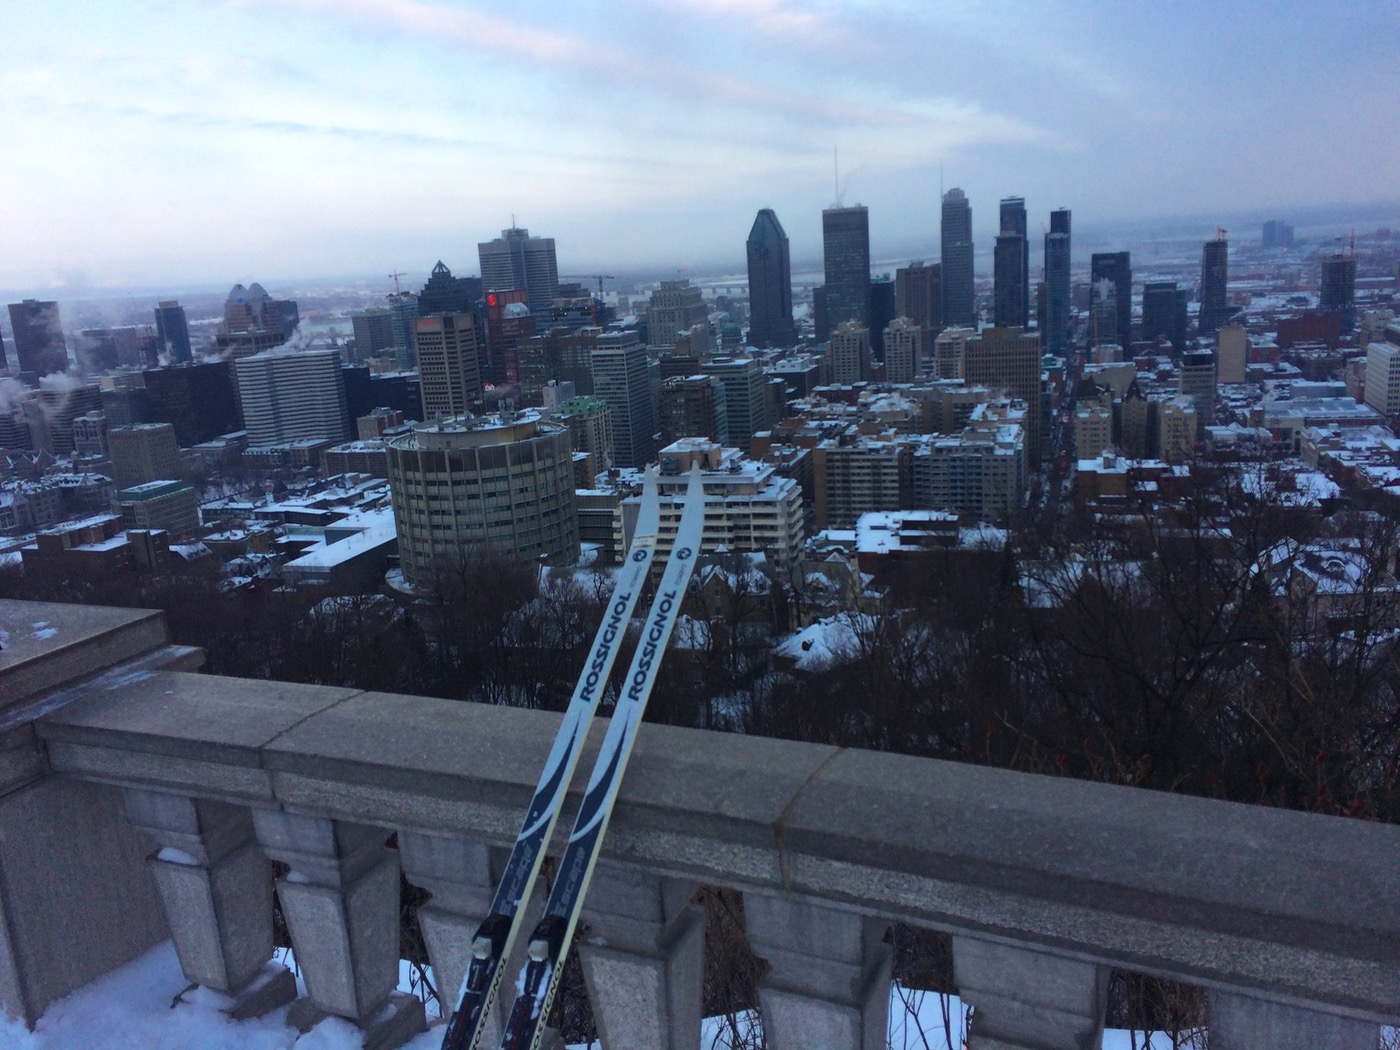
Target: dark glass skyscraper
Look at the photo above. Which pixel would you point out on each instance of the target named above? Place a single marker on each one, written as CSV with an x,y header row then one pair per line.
x,y
172,334
1011,266
770,283
1117,269
1215,271
959,296
1057,290
444,294
846,251
40,348
1164,313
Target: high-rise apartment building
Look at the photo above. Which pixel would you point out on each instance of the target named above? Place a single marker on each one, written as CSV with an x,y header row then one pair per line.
x,y
1197,379
1113,301
854,473
484,483
848,351
846,256
144,452
675,308
1057,285
515,260
904,350
1007,361
449,364
918,295
1011,265
745,398
770,283
172,333
40,348
622,378
1215,271
374,332
1383,379
959,292
590,430
693,406
290,395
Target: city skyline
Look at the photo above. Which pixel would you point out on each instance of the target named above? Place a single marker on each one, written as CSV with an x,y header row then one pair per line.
x,y
150,143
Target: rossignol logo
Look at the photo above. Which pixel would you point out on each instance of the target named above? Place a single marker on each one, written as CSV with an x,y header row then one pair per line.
x,y
639,556
616,615
661,617
683,553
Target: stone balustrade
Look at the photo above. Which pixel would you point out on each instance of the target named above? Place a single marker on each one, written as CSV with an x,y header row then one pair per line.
x,y
140,796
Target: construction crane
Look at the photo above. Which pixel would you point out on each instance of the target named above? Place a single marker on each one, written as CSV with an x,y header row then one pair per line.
x,y
396,275
599,277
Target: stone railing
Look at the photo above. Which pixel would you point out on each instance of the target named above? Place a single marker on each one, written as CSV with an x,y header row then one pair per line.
x,y
141,798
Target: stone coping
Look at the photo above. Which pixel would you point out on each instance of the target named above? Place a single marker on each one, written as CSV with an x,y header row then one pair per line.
x,y
1287,905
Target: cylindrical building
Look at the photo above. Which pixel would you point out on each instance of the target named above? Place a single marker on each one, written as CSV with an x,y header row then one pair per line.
x,y
502,484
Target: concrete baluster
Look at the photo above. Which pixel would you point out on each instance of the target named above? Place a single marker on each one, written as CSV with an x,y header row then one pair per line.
x,y
643,958
462,879
341,903
1027,999
828,978
215,887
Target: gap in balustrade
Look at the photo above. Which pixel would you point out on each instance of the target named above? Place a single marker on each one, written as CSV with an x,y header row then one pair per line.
x,y
1142,1004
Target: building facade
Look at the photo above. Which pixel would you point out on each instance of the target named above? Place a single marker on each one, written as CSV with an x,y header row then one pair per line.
x,y
1114,320
515,260
40,348
846,259
622,378
1215,273
448,347
918,295
1057,283
959,290
172,333
1011,266
291,395
770,283
499,485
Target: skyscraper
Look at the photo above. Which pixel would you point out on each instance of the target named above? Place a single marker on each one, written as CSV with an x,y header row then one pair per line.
x,y
39,344
1117,269
846,252
289,395
1164,313
172,333
445,294
770,283
1215,271
959,296
1338,288
449,364
517,260
918,295
621,378
1057,290
1011,266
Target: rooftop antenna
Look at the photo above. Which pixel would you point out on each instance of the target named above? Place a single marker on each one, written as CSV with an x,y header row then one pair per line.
x,y
836,175
940,180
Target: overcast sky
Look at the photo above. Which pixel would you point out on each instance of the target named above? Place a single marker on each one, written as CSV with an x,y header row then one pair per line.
x,y
179,142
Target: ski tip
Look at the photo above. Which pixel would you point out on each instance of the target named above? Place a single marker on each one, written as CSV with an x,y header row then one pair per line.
x,y
649,518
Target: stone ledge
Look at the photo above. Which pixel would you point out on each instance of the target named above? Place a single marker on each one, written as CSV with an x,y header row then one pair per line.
x,y
1289,904
49,644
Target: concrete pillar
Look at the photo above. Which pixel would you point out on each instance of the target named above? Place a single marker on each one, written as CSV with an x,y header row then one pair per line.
x,y
462,879
215,888
1242,1022
341,903
1027,999
643,959
828,981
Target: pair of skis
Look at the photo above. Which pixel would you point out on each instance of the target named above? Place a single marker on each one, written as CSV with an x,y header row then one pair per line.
x,y
549,943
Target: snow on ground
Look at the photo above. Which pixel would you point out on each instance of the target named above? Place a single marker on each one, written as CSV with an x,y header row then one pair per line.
x,y
131,1009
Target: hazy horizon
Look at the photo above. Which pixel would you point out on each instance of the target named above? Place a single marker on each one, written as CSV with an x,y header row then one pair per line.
x,y
155,145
